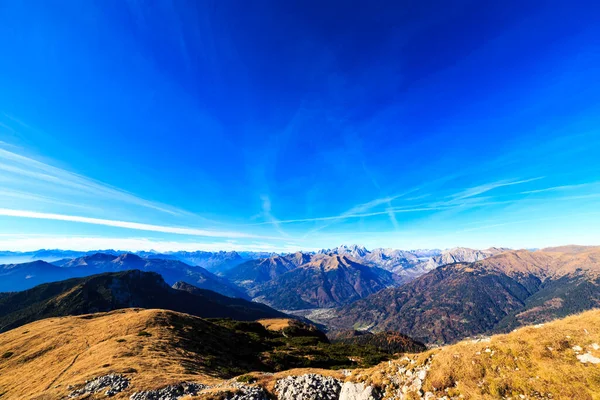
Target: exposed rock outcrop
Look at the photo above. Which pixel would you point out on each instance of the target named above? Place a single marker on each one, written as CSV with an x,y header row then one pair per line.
x,y
358,391
172,392
308,387
175,392
113,384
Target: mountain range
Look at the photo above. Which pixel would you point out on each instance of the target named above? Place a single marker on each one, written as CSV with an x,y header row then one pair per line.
x,y
15,277
142,325
117,290
324,281
302,280
496,294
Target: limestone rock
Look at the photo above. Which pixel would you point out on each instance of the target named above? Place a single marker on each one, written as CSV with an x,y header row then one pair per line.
x,y
358,391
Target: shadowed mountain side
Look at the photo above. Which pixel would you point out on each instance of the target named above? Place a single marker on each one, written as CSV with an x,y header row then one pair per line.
x,y
25,276
326,281
110,291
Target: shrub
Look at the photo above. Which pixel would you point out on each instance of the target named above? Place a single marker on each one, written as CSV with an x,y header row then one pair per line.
x,y
246,379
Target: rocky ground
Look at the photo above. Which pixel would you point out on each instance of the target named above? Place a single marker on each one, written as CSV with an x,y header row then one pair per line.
x,y
308,387
109,384
404,381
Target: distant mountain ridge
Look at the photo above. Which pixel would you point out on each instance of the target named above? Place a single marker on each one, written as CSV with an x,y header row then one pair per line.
x,y
215,262
24,276
325,281
112,291
499,293
240,275
412,263
303,281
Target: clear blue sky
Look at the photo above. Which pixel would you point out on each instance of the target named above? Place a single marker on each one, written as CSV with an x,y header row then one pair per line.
x,y
298,124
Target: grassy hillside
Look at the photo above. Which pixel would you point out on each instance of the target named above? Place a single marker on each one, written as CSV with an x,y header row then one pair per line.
x,y
535,362
155,348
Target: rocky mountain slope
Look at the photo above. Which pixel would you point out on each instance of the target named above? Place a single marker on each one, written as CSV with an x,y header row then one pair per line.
x,y
111,291
459,255
325,281
412,263
497,294
150,354
24,276
256,272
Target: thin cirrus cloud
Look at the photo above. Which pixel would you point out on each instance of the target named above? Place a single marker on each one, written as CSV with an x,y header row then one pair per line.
x,y
467,197
25,171
128,225
24,178
477,190
562,188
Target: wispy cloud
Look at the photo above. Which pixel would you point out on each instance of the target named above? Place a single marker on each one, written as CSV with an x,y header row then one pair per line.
x,y
357,211
561,188
14,194
17,165
477,190
266,212
128,225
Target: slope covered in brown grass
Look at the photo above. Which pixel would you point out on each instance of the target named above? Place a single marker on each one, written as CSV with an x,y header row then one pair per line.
x,y
559,360
156,348
48,355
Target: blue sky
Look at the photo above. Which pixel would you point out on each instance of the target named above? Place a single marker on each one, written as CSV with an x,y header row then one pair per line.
x,y
274,125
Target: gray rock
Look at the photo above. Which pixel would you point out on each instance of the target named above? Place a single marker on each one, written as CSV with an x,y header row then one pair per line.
x,y
250,393
358,391
112,383
172,392
308,387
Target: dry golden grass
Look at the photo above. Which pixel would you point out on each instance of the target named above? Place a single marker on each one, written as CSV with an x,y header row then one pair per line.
x,y
530,360
534,361
38,361
44,358
275,324
51,354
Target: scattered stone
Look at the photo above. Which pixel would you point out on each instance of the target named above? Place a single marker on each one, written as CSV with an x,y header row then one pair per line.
x,y
308,387
595,346
577,348
112,383
588,358
172,392
250,393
